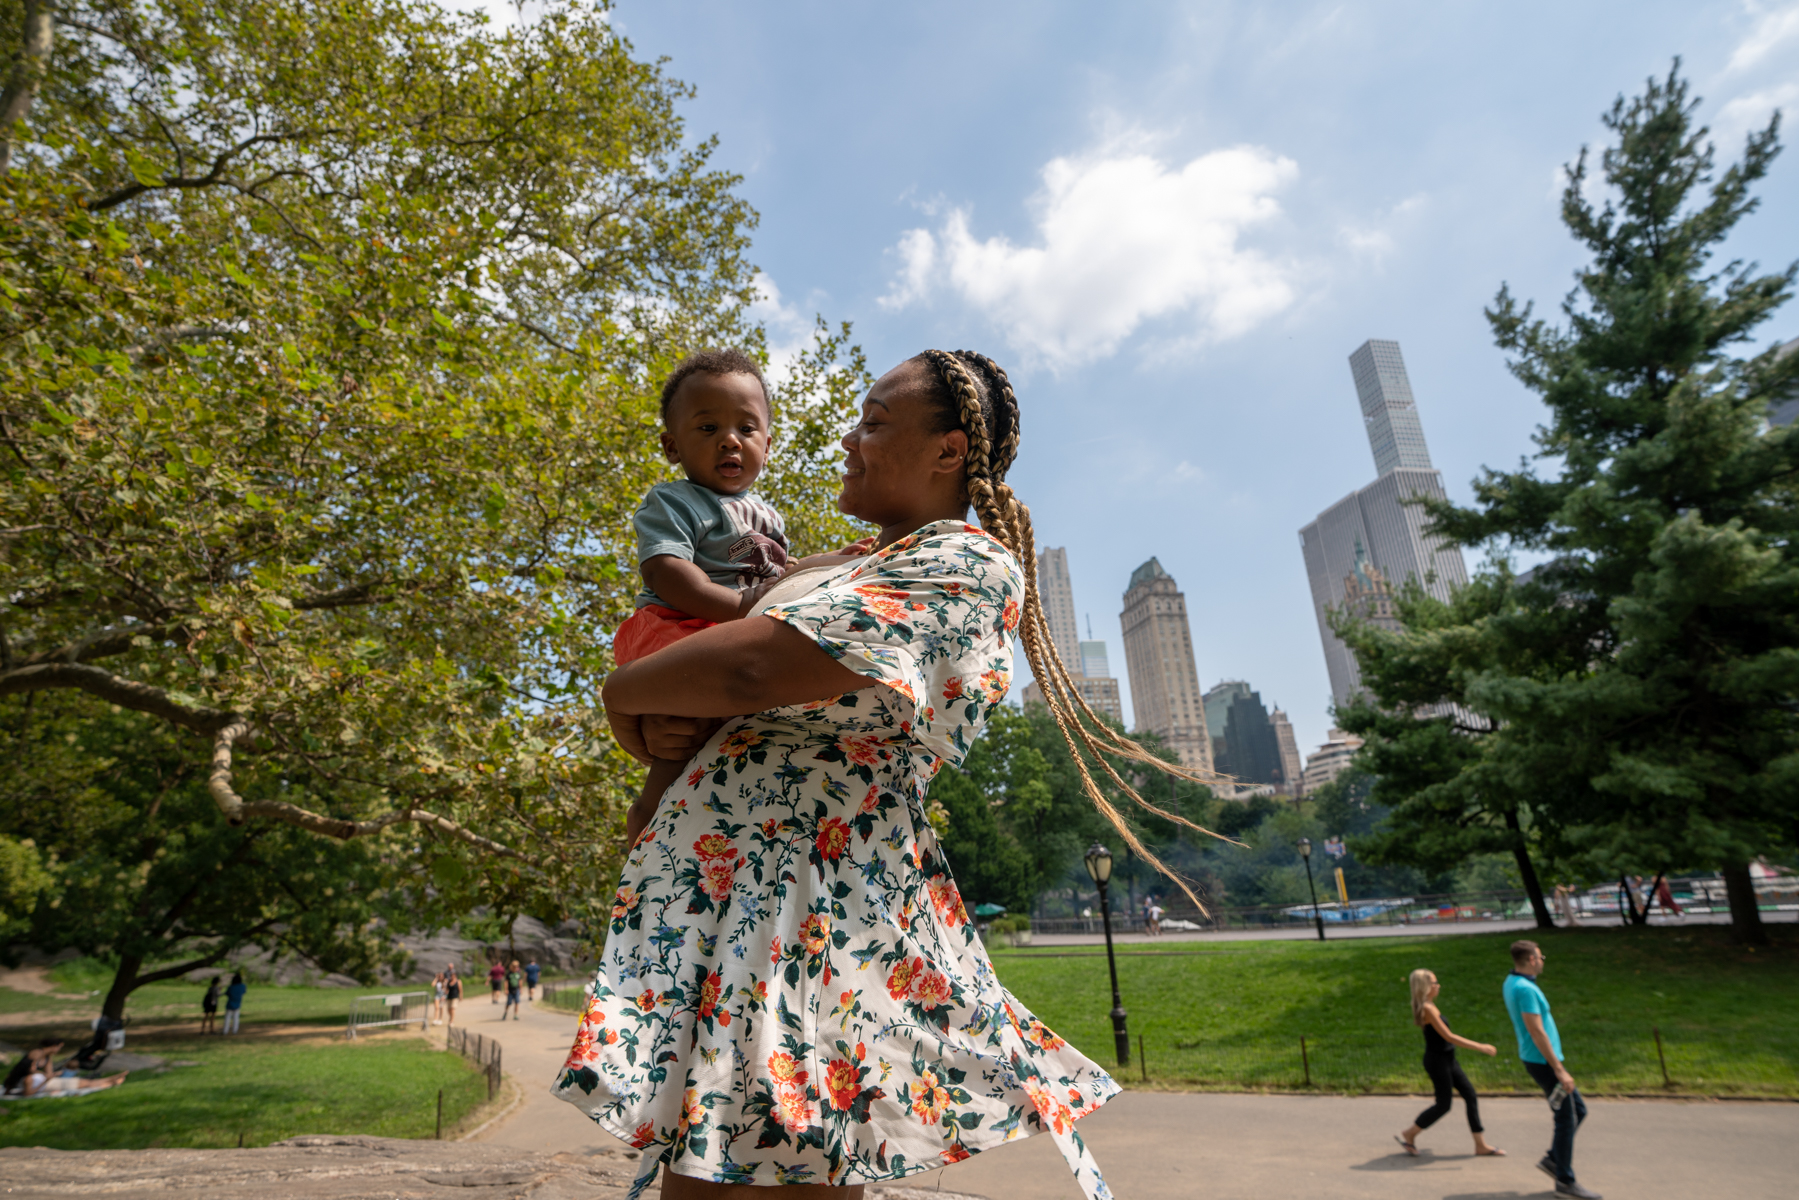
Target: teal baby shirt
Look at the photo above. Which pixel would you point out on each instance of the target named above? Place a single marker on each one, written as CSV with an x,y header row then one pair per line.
x,y
735,540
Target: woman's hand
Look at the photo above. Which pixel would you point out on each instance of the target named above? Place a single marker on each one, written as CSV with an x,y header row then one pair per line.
x,y
677,738
1489,1051
627,731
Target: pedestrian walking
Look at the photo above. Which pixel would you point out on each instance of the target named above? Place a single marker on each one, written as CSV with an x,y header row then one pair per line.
x,y
452,993
1540,1048
515,983
234,1002
1565,900
437,998
496,979
1664,896
1446,1074
532,973
209,1006
1155,919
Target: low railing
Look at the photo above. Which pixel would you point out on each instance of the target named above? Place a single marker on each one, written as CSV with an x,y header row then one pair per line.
x,y
389,1011
484,1052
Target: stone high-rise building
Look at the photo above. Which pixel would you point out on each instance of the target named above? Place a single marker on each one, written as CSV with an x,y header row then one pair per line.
x,y
1292,773
1158,651
1085,660
1372,540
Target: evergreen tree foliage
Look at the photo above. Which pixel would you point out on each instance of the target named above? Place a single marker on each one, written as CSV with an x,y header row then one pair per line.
x,y
1657,721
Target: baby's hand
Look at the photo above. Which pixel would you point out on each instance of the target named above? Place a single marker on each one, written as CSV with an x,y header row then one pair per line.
x,y
859,548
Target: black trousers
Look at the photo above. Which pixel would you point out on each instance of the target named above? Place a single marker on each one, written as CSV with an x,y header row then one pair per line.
x,y
1447,1076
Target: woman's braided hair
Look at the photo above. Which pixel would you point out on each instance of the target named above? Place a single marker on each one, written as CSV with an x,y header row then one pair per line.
x,y
972,394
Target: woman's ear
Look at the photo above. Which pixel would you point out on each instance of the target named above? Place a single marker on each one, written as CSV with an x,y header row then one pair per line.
x,y
952,451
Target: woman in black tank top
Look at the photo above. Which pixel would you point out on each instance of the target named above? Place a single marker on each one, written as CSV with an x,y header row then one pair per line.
x,y
1446,1074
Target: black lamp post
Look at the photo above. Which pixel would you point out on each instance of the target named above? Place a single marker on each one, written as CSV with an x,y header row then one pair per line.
x,y
1305,852
1099,867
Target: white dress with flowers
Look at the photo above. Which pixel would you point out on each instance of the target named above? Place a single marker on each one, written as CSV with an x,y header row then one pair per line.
x,y
791,990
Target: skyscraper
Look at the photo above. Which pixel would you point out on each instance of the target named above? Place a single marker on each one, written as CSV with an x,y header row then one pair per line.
x,y
1244,743
1373,540
1292,774
1085,660
1158,651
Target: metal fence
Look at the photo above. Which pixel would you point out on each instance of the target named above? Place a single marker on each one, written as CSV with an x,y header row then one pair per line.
x,y
563,996
1642,1062
484,1052
392,1010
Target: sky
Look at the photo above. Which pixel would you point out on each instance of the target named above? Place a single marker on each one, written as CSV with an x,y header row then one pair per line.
x,y
1173,222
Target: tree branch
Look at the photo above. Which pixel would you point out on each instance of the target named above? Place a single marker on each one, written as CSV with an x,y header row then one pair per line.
x,y
115,689
27,73
213,177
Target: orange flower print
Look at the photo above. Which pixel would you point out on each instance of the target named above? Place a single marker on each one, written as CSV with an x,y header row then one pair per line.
x,y
643,1135
815,933
882,591
888,612
738,743
1010,615
1041,1034
647,1000
833,838
1055,1114
710,990
716,877
929,1100
774,951
872,801
955,1153
785,1069
591,1013
770,827
715,845
843,1083
793,1110
995,685
952,688
693,780
931,989
947,901
904,689
759,996
863,750
583,1051
692,1111
899,980
624,902
951,588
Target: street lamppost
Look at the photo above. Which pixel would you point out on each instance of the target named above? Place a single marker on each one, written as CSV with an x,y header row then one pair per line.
x,y
1305,852
1099,867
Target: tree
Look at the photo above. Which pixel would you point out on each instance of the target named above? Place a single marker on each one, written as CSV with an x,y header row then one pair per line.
x,y
1670,519
1436,759
329,343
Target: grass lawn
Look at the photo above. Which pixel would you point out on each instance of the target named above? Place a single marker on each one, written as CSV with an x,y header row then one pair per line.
x,y
264,1004
262,1089
1231,1014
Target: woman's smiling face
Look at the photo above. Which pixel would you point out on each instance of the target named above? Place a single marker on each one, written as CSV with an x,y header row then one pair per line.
x,y
896,470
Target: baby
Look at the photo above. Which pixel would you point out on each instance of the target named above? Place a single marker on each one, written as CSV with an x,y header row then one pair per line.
x,y
706,547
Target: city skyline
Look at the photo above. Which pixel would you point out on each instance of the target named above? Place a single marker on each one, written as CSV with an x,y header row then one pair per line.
x,y
1158,649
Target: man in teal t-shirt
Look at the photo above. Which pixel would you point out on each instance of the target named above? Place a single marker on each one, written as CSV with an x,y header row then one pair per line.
x,y
1540,1048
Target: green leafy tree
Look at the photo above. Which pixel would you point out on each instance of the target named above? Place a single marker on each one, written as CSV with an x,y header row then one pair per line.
x,y
329,346
1435,760
1669,518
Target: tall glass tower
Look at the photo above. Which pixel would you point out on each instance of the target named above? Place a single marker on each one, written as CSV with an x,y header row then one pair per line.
x,y
1394,433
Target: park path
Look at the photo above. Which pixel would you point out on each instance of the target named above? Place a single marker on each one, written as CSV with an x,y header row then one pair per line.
x,y
1175,1145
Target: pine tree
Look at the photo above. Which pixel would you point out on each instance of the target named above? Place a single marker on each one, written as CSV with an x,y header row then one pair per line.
x,y
1672,586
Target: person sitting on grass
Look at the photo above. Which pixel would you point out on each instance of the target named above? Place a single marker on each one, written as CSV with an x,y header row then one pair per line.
x,y
1444,1071
35,1075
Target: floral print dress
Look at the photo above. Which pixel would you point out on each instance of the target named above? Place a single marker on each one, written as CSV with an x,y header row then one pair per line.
x,y
791,991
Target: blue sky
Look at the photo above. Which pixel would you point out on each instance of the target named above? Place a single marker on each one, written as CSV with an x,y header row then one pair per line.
x,y
1173,222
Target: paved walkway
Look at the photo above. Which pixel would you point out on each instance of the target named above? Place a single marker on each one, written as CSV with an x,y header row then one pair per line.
x,y
1173,1146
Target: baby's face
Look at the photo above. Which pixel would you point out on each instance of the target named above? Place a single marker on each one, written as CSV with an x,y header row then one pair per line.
x,y
717,429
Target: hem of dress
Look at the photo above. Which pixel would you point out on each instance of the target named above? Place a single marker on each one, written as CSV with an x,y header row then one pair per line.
x,y
1027,1131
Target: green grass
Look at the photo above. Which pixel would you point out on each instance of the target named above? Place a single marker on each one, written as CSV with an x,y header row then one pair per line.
x,y
180,1000
262,1089
1230,1014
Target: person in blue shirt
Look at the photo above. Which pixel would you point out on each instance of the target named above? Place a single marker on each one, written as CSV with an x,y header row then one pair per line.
x,y
532,971
1540,1048
234,1002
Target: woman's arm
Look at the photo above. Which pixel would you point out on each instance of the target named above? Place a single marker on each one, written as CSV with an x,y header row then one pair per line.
x,y
728,670
1435,1017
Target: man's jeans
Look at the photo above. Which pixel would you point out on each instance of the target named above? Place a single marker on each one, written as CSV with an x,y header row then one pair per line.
x,y
1567,1119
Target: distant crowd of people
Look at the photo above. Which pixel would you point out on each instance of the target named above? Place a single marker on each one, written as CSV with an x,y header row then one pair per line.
x,y
518,983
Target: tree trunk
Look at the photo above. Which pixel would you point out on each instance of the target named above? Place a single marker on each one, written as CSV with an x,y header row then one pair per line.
x,y
38,30
1527,872
1745,913
124,980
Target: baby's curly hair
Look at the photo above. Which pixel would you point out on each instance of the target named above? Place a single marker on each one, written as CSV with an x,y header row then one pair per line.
x,y
727,361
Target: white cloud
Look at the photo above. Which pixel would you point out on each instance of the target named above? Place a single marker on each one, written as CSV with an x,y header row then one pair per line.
x,y
1773,29
1122,238
1375,241
1745,114
790,332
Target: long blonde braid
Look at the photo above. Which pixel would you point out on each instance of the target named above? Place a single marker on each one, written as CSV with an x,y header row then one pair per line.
x,y
1008,520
